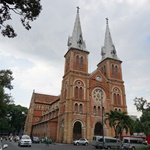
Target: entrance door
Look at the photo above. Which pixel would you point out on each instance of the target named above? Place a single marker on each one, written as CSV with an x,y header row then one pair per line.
x,y
98,129
77,130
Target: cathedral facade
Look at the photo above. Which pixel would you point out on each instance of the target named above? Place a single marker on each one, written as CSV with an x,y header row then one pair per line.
x,y
79,110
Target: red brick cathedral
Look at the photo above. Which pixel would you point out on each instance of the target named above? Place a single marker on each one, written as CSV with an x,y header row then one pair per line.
x,y
77,111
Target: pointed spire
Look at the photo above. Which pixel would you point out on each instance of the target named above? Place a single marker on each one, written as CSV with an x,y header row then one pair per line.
x,y
76,40
108,50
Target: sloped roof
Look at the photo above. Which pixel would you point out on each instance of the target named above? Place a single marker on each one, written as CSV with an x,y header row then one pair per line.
x,y
43,98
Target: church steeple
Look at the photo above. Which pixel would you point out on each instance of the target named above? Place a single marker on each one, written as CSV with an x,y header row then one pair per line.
x,y
76,40
108,50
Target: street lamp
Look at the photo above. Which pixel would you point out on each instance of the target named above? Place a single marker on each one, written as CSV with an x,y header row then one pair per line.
x,y
102,117
23,114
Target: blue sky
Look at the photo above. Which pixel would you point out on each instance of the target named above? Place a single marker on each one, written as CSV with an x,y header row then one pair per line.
x,y
36,57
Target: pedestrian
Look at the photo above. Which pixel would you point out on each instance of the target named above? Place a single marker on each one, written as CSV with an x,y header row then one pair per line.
x,y
46,141
50,141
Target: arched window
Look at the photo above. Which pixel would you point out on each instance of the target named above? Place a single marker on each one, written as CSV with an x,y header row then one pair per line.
x,y
76,92
76,108
116,71
80,93
79,89
94,110
98,110
104,70
112,70
77,62
118,98
115,99
81,63
80,108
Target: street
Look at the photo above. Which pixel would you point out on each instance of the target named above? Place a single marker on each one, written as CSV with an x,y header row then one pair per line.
x,y
58,146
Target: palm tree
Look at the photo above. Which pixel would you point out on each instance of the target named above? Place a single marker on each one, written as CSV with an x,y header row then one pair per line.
x,y
120,121
111,117
124,123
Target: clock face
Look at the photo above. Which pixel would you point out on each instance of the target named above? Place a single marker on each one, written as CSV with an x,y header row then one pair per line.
x,y
98,95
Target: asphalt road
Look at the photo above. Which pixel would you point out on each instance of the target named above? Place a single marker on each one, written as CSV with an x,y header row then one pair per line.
x,y
55,146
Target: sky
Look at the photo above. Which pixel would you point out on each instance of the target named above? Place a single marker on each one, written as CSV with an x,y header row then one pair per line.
x,y
36,57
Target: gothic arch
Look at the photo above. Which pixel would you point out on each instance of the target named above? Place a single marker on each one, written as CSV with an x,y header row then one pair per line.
x,y
79,89
79,120
98,128
115,70
78,107
117,96
79,61
79,80
77,129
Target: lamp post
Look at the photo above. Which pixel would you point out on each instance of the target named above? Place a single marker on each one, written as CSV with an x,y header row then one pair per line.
x,y
23,114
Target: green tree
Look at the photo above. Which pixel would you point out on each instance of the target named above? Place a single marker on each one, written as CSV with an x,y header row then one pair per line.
x,y
137,127
28,10
14,121
5,83
17,114
145,120
120,122
124,123
143,106
111,117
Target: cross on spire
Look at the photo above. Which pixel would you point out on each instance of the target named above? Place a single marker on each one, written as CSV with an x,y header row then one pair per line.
x,y
78,9
76,40
108,50
107,21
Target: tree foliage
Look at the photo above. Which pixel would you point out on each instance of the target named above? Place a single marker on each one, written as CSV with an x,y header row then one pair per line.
x,y
137,127
5,83
124,123
120,122
143,106
14,120
28,10
112,119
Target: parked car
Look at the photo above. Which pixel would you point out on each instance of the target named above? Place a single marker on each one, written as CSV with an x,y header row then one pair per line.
x,y
133,143
3,146
109,142
25,140
81,141
35,139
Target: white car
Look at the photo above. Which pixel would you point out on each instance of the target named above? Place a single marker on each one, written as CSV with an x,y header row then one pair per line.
x,y
3,146
25,140
81,141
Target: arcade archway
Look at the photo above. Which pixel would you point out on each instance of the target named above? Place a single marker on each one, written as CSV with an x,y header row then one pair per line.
x,y
98,130
77,130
